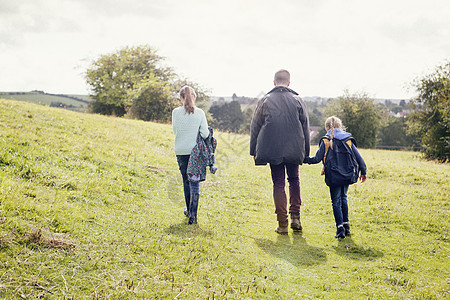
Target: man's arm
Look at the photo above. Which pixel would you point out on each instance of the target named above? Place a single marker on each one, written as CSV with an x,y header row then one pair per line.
x,y
304,120
255,127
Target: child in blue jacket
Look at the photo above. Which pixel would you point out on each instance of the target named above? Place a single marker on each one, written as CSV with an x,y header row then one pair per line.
x,y
334,128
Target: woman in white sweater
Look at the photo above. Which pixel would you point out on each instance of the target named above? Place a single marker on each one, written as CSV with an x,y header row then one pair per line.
x,y
187,121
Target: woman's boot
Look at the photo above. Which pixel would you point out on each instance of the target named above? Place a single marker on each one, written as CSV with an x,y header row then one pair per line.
x,y
193,208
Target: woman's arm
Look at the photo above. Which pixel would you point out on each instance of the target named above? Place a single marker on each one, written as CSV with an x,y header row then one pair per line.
x,y
204,131
173,122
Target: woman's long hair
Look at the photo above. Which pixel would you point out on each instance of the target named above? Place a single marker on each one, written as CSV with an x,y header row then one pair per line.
x,y
188,94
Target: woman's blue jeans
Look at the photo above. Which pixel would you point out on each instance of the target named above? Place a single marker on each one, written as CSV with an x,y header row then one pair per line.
x,y
339,200
191,188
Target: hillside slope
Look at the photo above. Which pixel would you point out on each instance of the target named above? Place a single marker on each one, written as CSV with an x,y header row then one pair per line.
x,y
78,103
92,207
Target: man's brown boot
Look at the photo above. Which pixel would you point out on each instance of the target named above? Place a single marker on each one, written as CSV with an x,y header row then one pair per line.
x,y
295,223
282,228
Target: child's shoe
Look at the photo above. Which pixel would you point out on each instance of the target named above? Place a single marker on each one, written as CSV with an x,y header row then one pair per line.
x,y
340,232
347,229
186,212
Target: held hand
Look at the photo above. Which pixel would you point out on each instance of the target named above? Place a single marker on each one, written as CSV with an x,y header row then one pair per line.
x,y
363,178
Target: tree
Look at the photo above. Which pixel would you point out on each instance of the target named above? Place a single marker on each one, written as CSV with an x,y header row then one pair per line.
x,y
228,116
133,81
431,117
315,117
152,100
113,77
403,103
202,93
248,116
396,109
394,134
359,115
319,136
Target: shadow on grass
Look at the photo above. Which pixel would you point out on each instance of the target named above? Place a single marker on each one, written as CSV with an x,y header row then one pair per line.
x,y
185,230
350,249
295,251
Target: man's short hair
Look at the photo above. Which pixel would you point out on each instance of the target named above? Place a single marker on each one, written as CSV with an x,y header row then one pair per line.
x,y
282,77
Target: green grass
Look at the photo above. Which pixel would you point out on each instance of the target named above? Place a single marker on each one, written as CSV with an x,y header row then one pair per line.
x,y
91,207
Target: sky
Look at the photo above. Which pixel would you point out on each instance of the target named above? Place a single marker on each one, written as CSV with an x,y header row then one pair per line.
x,y
230,46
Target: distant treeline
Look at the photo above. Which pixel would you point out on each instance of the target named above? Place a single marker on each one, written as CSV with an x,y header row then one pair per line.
x,y
62,95
386,122
64,105
47,94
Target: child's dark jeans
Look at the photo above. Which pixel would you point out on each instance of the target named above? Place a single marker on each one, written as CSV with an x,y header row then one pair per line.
x,y
339,200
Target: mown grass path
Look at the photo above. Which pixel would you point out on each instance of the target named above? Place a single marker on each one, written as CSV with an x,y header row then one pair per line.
x,y
92,207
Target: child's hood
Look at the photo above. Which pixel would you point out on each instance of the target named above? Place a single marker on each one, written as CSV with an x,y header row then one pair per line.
x,y
339,134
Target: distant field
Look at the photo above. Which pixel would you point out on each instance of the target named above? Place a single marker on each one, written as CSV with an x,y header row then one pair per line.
x,y
91,207
72,102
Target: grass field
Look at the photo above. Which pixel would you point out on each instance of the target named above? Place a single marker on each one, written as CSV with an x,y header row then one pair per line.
x,y
73,102
91,207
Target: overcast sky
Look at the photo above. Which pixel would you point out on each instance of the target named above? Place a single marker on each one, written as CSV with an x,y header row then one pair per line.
x,y
230,46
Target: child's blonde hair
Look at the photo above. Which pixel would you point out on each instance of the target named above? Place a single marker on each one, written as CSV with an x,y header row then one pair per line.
x,y
330,124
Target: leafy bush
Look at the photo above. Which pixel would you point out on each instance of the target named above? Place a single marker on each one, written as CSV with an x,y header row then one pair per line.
x,y
431,117
359,115
134,80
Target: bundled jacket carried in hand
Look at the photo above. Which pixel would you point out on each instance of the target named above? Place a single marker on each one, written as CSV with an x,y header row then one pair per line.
x,y
202,156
